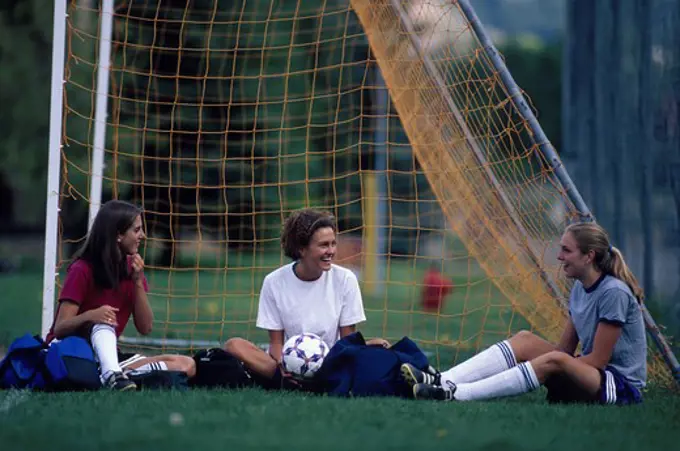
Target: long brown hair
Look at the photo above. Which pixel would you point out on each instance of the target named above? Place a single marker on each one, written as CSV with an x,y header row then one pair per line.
x,y
101,251
299,228
590,236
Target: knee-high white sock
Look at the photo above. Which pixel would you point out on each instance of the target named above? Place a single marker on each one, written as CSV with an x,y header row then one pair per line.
x,y
492,360
515,381
105,345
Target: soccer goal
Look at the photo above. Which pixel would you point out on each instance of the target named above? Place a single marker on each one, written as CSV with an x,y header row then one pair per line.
x,y
400,117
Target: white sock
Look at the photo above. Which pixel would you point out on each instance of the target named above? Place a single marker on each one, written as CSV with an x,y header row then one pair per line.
x,y
105,346
515,381
148,367
492,360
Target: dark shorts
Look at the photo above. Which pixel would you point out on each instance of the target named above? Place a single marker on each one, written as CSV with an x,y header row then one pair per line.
x,y
614,389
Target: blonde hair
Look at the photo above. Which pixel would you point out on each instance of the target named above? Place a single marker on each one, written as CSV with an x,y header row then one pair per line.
x,y
299,228
590,236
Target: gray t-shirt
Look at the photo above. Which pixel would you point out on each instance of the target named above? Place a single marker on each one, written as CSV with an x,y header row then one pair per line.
x,y
611,300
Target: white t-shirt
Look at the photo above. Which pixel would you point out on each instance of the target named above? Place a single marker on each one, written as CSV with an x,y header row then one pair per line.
x,y
321,306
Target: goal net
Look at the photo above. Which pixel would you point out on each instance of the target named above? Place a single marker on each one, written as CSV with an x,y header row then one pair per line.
x,y
224,117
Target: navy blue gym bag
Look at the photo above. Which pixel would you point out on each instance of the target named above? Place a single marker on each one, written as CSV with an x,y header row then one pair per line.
x,y
64,365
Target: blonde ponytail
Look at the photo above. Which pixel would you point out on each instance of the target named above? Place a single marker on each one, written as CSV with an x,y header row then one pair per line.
x,y
592,237
619,269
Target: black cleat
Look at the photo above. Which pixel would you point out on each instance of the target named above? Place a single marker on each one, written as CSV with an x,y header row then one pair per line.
x,y
427,391
119,382
413,376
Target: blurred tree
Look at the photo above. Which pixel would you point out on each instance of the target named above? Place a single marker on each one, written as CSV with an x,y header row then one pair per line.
x,y
25,55
622,112
230,125
537,69
252,107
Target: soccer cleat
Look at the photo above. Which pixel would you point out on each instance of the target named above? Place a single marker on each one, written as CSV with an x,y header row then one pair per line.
x,y
413,375
119,382
427,391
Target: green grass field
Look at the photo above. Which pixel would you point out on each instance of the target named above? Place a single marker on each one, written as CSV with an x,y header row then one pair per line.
x,y
216,305
253,419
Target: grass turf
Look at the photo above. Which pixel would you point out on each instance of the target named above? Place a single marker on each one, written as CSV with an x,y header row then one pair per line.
x,y
254,419
249,419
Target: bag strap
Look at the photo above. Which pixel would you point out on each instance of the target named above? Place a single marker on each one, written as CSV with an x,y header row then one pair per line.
x,y
23,344
26,342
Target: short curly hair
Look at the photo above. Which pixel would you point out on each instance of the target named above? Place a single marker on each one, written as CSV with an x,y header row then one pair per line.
x,y
299,228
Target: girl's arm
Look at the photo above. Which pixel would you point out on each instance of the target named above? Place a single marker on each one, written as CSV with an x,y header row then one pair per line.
x,y
378,342
276,344
69,322
353,311
569,339
612,309
142,313
276,353
606,336
347,330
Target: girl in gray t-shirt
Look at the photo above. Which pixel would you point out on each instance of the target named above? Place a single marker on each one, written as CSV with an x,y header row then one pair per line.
x,y
604,317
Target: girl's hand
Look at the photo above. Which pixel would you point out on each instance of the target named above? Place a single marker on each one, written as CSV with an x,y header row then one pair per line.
x,y
137,267
288,376
104,315
379,342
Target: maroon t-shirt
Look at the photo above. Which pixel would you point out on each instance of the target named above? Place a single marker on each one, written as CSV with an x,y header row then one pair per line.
x,y
79,287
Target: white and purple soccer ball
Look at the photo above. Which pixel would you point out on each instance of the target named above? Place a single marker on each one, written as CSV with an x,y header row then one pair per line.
x,y
303,355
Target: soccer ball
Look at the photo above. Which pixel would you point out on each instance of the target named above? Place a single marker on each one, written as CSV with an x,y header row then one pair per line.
x,y
303,355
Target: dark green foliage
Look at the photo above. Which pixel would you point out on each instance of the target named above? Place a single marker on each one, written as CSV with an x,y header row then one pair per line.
x,y
246,102
537,70
25,54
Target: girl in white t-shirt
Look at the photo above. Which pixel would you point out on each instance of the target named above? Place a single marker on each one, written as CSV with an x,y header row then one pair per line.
x,y
309,295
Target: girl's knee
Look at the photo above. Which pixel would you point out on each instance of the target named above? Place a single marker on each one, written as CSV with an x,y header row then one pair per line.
x,y
187,365
524,335
181,363
521,344
236,346
559,358
527,346
553,362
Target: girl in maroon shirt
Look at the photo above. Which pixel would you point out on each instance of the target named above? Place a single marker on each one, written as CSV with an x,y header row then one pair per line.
x,y
104,286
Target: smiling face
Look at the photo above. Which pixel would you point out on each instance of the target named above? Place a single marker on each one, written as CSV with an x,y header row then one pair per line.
x,y
318,254
575,263
130,240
